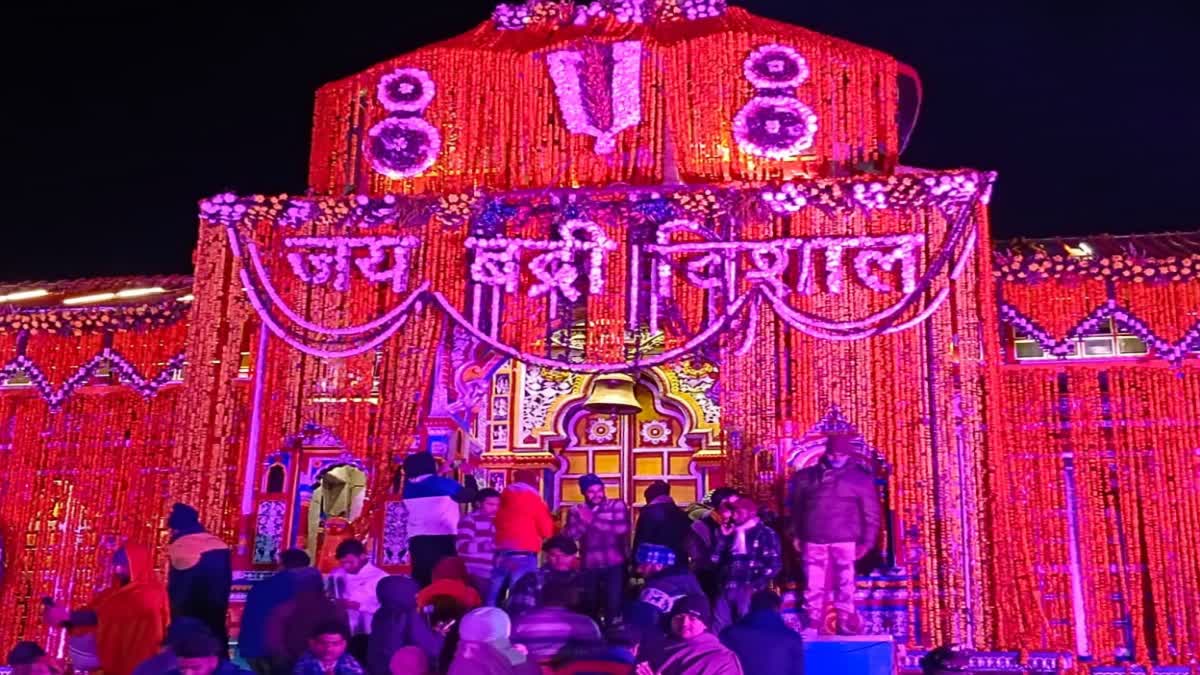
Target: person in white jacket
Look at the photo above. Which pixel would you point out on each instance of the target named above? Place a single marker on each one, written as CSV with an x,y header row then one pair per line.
x,y
353,588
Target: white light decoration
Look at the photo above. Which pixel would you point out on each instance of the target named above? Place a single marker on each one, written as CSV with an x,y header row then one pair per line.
x,y
17,296
88,299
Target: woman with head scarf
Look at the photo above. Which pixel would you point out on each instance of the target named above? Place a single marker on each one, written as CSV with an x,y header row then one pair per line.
x,y
127,622
398,624
484,647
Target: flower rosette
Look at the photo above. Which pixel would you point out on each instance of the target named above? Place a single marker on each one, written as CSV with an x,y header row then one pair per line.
x,y
400,147
601,430
777,127
775,67
406,90
655,432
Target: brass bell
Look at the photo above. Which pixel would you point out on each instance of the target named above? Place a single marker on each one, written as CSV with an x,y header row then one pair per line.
x,y
613,393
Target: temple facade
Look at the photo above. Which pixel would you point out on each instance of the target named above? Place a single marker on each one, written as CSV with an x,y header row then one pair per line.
x,y
663,240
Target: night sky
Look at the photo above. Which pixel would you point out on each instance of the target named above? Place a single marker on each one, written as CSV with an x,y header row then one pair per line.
x,y
119,121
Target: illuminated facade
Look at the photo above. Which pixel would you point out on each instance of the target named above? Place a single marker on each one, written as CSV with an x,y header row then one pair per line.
x,y
705,200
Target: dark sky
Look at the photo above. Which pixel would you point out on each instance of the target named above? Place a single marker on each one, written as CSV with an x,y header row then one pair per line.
x,y
118,121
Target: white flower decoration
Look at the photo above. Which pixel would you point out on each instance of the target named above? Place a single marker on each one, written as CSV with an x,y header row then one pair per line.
x,y
656,432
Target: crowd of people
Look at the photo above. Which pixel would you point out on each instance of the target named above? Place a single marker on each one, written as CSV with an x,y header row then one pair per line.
x,y
499,589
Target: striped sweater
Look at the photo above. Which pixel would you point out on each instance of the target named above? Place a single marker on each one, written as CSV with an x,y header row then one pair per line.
x,y
476,543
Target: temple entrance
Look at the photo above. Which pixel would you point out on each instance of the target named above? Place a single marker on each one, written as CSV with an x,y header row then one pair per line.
x,y
629,450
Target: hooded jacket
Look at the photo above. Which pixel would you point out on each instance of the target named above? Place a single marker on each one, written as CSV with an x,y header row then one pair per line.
x,y
398,624
432,501
131,620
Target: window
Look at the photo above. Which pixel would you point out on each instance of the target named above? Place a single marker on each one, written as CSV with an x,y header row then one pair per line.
x,y
1107,341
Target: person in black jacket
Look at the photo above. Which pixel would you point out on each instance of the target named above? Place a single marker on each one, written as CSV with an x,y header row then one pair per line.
x,y
763,642
201,573
662,522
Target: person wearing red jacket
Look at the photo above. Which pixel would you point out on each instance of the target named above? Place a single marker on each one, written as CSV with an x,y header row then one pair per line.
x,y
522,524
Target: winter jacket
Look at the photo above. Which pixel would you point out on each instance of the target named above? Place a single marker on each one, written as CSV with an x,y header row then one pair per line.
x,y
524,520
749,556
398,623
701,655
764,644
830,506
433,505
662,522
604,541
200,579
262,599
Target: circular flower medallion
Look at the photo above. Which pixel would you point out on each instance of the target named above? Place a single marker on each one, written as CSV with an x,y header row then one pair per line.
x,y
406,90
775,67
602,430
400,147
655,432
778,127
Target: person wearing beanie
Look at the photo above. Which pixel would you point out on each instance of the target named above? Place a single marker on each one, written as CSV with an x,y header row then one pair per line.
x,y
522,524
704,535
201,573
432,503
662,522
601,526
560,567
262,599
692,648
666,582
749,558
484,647
124,624
762,641
836,512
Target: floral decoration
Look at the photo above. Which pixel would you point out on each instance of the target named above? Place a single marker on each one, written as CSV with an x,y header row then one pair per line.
x,y
655,432
602,430
401,147
943,189
775,66
79,320
777,127
1044,266
556,13
623,95
125,372
1111,309
406,90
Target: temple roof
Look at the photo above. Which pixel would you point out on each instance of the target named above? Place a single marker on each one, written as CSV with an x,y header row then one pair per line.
x,y
94,292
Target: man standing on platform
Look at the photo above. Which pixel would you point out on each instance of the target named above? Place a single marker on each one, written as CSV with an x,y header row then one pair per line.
x,y
432,502
522,524
601,526
750,558
835,510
